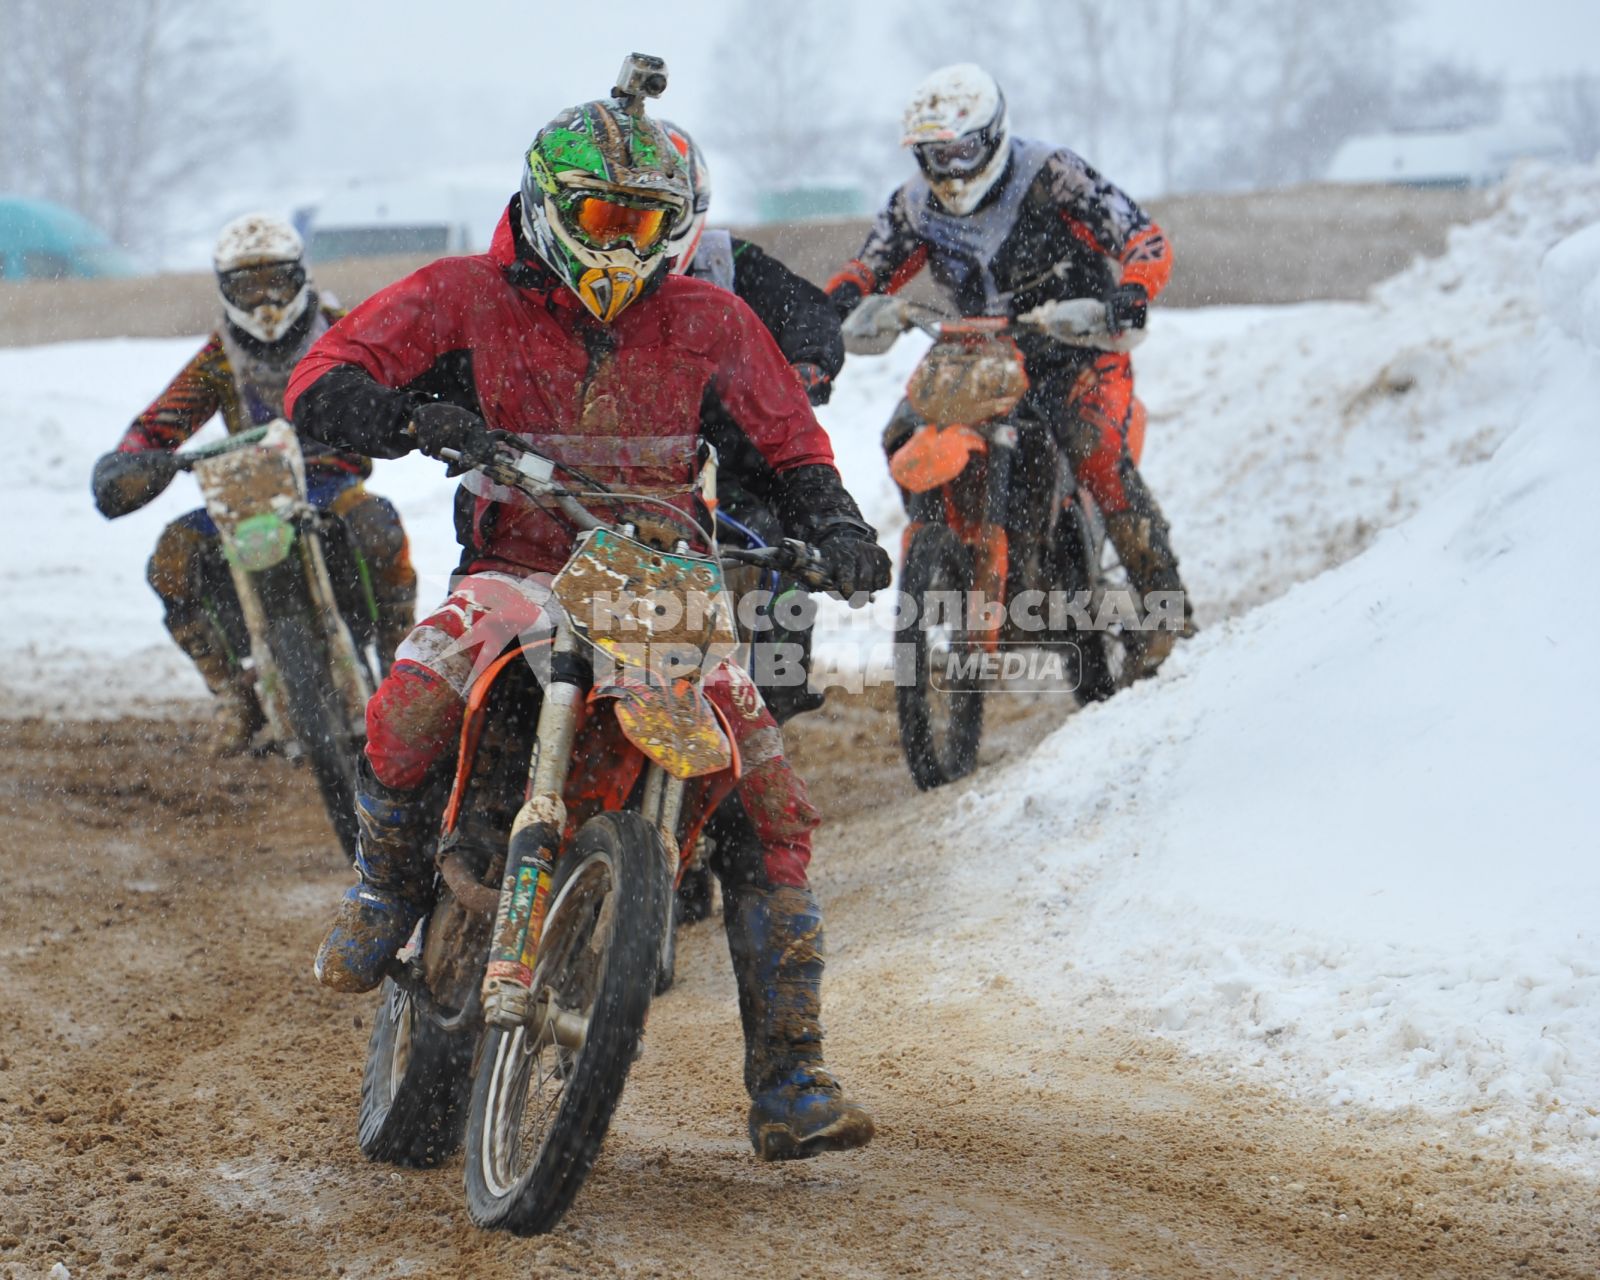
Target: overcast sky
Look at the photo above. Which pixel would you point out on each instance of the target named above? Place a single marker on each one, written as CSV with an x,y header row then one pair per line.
x,y
391,86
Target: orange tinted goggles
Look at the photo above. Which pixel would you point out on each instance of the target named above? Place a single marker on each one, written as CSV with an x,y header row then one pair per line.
x,y
605,223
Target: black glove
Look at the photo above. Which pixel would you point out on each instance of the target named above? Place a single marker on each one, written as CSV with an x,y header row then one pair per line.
x,y
813,506
818,385
124,482
1127,307
845,296
854,559
437,425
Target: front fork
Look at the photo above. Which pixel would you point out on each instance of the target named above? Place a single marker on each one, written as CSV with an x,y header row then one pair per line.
x,y
509,999
992,554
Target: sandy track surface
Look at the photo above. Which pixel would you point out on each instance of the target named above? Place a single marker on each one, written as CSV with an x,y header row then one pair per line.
x,y
178,1097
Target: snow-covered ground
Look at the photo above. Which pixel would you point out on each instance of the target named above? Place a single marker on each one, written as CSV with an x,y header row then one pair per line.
x,y
1346,841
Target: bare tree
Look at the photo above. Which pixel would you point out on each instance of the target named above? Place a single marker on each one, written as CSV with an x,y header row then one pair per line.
x,y
1447,95
784,118
120,110
1572,105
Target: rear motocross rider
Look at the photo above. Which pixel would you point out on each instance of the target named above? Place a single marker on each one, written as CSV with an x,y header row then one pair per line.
x,y
271,316
571,334
805,325
1010,227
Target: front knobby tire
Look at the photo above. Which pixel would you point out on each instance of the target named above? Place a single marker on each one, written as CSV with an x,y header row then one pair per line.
x,y
1078,569
540,1111
414,1090
317,713
941,718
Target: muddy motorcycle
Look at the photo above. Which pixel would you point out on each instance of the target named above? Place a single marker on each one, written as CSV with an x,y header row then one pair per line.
x,y
999,539
587,765
304,629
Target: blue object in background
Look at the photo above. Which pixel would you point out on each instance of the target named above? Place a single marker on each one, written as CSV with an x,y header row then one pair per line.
x,y
44,241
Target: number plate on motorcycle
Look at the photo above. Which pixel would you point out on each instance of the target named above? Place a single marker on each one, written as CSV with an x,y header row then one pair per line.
x,y
664,611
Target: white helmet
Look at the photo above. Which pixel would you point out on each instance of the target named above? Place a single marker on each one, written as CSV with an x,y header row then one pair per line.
x,y
685,238
958,128
261,274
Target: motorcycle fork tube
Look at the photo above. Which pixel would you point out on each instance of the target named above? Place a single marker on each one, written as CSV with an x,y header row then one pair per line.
x,y
508,995
347,672
662,806
991,561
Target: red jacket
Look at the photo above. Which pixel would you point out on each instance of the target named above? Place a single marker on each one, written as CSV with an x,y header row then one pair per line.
x,y
625,402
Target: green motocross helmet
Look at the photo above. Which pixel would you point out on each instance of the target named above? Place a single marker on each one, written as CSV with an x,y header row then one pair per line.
x,y
603,190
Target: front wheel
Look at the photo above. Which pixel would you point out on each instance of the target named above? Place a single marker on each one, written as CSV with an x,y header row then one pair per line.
x,y
940,710
543,1095
317,712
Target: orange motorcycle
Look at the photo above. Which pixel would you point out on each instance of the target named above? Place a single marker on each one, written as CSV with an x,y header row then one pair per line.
x,y
590,756
1002,561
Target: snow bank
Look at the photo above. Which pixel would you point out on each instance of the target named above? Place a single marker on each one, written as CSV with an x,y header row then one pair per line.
x,y
1347,841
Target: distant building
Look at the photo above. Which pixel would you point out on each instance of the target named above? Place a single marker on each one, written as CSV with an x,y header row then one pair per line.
x,y
44,241
421,218
802,204
1478,157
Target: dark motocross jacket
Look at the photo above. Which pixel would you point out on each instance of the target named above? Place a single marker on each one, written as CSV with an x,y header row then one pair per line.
x,y
800,316
1052,227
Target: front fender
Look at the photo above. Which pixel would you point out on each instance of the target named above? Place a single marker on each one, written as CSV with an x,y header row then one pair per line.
x,y
671,722
935,456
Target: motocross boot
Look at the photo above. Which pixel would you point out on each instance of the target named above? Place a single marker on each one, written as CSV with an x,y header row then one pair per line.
x,y
235,713
1140,534
393,859
797,1109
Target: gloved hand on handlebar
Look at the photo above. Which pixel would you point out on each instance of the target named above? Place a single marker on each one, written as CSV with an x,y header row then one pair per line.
x,y
855,562
1127,307
1112,323
125,481
873,326
818,385
437,425
1069,319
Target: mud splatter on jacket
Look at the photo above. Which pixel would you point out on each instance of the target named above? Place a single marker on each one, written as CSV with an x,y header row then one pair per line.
x,y
224,377
1052,227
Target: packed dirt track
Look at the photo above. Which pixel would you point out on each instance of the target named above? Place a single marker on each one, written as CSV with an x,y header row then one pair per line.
x,y
178,1097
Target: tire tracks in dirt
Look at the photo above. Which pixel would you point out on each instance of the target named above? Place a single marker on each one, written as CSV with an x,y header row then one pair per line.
x,y
178,1097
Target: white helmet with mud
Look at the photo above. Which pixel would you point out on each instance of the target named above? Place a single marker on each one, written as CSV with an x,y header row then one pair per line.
x,y
261,274
957,126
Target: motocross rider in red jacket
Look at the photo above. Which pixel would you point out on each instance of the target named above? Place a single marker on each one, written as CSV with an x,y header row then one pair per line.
x,y
271,316
570,333
1011,227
